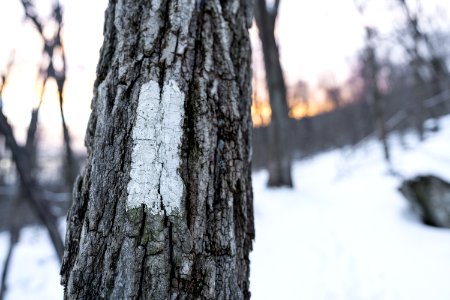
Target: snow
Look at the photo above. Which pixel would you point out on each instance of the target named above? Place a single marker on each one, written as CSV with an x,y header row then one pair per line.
x,y
34,268
344,232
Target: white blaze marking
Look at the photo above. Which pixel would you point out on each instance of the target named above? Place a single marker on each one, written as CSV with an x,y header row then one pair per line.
x,y
155,158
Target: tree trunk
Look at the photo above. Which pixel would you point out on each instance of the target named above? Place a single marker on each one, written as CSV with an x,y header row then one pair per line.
x,y
70,167
28,185
14,235
375,97
279,163
164,208
432,61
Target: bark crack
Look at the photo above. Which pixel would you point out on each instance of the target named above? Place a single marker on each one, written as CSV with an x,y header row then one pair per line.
x,y
190,112
165,26
171,254
142,275
144,246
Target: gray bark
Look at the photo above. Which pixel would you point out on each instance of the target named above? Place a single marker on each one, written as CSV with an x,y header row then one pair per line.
x,y
200,250
279,163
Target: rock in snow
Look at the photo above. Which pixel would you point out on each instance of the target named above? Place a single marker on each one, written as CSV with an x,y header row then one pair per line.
x,y
429,197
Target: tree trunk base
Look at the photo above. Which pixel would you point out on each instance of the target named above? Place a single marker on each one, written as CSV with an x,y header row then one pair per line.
x,y
280,175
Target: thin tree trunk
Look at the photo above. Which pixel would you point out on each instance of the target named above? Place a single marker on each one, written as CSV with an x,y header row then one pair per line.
x,y
375,97
14,234
71,165
435,64
279,163
27,182
164,207
71,168
15,222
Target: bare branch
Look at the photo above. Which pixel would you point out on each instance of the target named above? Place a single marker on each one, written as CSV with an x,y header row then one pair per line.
x,y
13,239
29,8
22,164
49,71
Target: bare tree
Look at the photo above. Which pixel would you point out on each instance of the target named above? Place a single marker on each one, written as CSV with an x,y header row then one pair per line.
x,y
429,68
431,59
25,157
375,97
280,160
52,50
332,90
163,209
29,189
371,70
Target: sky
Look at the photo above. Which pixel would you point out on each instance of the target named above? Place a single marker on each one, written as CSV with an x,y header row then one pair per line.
x,y
83,37
316,39
320,37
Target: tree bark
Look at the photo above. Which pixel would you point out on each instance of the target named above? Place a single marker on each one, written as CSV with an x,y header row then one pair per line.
x,y
164,208
279,163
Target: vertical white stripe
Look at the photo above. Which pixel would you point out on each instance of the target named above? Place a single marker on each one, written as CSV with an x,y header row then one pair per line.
x,y
155,160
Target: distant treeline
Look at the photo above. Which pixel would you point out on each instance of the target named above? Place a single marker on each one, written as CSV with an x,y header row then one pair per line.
x,y
406,107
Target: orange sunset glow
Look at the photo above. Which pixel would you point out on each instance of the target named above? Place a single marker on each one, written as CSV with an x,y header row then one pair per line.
x,y
261,111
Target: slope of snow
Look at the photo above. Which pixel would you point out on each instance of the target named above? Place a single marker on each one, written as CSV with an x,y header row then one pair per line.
x,y
34,268
344,232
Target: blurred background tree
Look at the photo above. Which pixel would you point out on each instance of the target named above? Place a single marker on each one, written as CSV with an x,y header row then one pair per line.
x,y
279,159
35,198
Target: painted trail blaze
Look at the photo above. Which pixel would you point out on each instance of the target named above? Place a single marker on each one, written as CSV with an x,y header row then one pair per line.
x,y
157,133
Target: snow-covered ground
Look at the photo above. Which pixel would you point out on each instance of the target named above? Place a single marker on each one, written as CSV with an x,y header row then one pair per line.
x,y
34,271
344,232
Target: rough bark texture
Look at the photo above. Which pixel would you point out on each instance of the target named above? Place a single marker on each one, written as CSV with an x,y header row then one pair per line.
x,y
279,163
201,250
